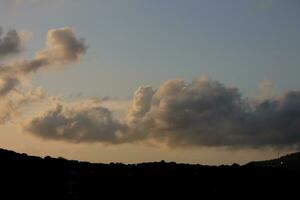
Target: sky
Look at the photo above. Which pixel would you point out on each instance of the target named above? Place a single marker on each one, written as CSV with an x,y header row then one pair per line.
x,y
193,81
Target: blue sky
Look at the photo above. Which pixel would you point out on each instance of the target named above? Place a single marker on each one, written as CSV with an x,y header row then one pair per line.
x,y
134,43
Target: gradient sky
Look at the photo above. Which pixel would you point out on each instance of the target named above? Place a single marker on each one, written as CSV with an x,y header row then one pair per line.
x,y
141,42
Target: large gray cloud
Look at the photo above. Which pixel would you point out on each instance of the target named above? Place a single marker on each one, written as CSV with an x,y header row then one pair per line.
x,y
207,113
202,113
9,43
77,124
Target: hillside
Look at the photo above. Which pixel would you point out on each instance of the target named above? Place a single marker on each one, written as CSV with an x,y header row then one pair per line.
x,y
290,161
59,178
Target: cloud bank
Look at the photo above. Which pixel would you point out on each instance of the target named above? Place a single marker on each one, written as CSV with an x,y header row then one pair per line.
x,y
201,113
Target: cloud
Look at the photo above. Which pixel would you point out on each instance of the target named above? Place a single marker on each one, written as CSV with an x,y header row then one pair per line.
x,y
140,105
202,113
62,48
265,89
80,123
8,81
10,106
25,35
10,42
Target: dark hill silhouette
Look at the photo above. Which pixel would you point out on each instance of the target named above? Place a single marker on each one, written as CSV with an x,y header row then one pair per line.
x,y
58,178
290,161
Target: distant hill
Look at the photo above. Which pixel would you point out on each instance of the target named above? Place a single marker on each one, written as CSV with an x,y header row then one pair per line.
x,y
290,161
58,178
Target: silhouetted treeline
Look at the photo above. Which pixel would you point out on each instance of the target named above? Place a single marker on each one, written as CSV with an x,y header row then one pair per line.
x,y
58,178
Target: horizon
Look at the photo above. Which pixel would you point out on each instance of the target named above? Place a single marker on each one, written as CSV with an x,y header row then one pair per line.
x,y
208,82
278,158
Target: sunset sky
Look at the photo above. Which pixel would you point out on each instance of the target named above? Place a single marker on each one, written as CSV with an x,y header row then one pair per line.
x,y
197,81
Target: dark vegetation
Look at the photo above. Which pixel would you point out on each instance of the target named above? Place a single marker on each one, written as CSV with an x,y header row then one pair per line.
x,y
58,178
